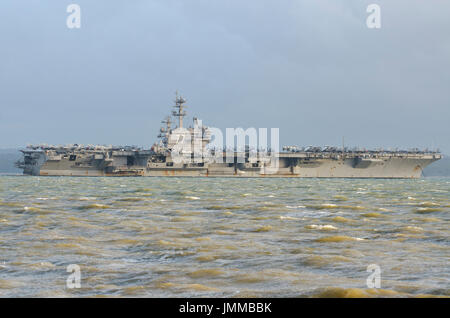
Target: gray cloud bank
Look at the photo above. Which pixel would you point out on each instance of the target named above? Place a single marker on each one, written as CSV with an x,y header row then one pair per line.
x,y
311,68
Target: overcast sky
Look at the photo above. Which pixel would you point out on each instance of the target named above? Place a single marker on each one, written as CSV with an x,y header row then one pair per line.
x,y
309,67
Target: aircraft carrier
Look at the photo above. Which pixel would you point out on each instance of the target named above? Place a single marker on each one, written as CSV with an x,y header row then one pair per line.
x,y
187,152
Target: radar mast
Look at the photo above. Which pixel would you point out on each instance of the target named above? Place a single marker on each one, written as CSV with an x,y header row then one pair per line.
x,y
179,106
165,131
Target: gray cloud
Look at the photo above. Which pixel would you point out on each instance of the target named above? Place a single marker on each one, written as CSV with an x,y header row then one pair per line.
x,y
312,68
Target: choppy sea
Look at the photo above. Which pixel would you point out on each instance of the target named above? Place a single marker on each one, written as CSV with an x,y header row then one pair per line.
x,y
224,237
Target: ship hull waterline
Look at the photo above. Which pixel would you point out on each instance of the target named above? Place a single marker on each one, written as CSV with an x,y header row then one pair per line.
x,y
325,168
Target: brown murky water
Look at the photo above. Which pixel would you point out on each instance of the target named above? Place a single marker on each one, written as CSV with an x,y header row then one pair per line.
x,y
198,237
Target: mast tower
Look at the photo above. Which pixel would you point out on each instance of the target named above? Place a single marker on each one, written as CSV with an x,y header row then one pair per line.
x,y
165,131
179,112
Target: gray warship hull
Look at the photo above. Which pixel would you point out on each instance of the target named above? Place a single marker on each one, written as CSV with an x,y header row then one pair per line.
x,y
161,160
300,165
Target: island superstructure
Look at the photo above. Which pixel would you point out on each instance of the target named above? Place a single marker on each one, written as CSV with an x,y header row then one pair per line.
x,y
187,152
